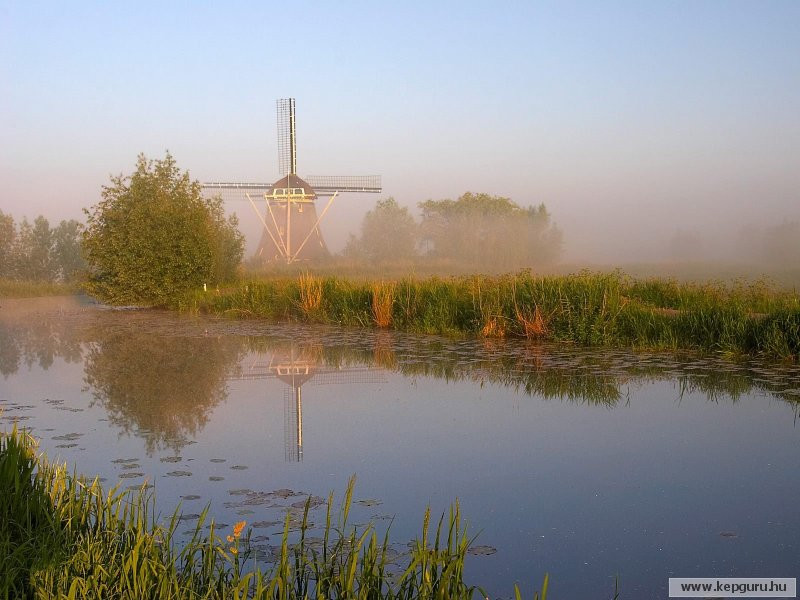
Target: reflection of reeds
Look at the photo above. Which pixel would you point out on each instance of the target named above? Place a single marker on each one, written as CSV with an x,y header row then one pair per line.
x,y
382,302
383,351
310,293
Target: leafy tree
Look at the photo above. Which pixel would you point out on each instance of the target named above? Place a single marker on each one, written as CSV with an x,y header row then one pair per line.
x,y
67,256
37,252
388,233
489,232
33,251
153,236
8,234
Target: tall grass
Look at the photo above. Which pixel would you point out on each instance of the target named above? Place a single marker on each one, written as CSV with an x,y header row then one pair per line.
x,y
382,302
63,536
593,309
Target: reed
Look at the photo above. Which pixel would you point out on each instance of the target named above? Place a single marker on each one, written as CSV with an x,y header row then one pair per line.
x,y
310,293
382,303
592,309
63,536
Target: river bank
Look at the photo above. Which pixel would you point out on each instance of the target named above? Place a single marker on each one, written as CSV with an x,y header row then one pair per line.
x,y
588,309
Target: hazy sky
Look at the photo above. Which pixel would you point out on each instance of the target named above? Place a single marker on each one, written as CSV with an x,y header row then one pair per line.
x,y
630,121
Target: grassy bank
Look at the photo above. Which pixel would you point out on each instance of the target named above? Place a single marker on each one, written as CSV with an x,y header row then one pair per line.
x,y
585,308
63,536
12,288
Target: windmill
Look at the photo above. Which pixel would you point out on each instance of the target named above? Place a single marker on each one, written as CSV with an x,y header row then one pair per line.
x,y
289,214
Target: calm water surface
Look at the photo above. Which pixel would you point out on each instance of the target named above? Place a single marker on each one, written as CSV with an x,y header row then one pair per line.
x,y
582,463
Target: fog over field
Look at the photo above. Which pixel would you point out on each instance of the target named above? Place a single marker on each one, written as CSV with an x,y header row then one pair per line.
x,y
654,132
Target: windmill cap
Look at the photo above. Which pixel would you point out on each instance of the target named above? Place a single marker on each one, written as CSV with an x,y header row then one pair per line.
x,y
294,182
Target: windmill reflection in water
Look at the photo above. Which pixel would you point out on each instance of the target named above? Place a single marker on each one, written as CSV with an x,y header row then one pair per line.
x,y
298,367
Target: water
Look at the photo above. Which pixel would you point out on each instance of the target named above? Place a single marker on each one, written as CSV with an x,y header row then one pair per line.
x,y
586,464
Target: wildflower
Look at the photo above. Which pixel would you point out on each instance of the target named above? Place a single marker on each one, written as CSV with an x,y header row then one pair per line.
x,y
237,529
234,551
230,539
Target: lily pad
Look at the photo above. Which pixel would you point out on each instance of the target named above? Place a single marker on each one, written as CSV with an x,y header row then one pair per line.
x,y
481,550
369,502
189,517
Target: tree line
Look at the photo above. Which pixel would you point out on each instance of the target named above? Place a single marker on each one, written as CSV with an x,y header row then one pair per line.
x,y
38,252
151,237
477,230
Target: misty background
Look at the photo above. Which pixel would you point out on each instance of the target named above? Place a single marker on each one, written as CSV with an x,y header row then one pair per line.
x,y
650,131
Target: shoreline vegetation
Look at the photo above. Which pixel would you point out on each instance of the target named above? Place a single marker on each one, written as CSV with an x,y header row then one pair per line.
x,y
64,536
587,309
603,309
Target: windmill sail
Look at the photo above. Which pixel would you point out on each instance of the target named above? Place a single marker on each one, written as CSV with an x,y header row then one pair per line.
x,y
287,207
287,144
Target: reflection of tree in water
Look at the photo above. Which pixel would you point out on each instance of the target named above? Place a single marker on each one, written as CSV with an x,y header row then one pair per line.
x,y
37,341
159,373
598,377
162,387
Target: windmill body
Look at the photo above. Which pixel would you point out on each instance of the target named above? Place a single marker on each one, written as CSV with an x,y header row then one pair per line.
x,y
287,208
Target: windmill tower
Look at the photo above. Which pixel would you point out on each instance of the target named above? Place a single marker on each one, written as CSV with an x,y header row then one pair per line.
x,y
287,208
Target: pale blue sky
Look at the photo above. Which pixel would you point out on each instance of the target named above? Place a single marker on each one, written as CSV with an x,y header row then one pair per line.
x,y
629,120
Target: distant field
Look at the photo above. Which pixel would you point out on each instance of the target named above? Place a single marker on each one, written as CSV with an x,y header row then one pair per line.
x,y
695,272
700,272
31,289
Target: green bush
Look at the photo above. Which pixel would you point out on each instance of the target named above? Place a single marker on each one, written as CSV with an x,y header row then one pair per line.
x,y
153,237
